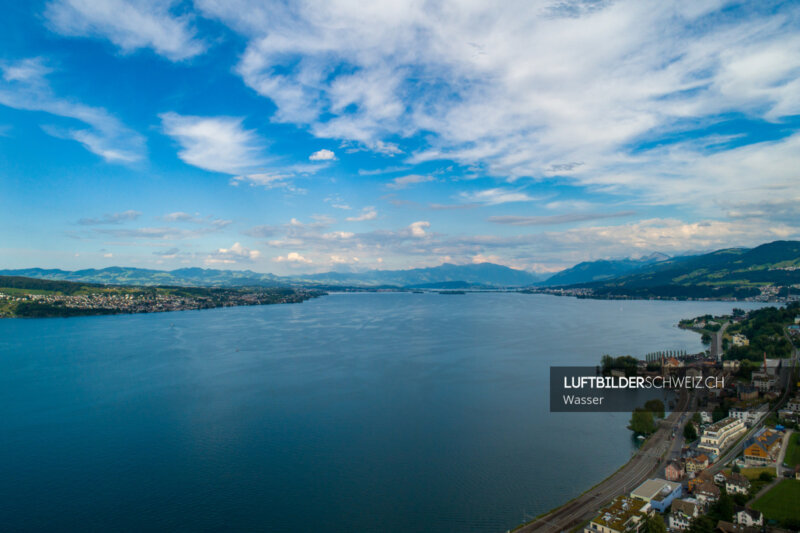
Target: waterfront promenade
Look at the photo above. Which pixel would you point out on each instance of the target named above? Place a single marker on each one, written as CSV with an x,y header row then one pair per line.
x,y
643,465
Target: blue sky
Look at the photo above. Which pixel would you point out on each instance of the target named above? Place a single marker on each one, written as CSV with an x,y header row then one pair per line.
x,y
297,137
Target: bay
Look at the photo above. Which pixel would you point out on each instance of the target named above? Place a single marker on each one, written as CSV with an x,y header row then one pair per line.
x,y
350,412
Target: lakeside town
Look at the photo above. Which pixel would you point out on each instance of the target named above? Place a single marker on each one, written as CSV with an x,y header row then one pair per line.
x,y
65,299
764,293
727,459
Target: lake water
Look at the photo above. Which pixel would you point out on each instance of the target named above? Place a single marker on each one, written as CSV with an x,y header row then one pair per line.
x,y
351,412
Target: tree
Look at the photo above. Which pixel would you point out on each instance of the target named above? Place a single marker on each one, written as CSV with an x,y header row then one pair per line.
x,y
702,524
656,407
722,509
689,432
736,469
720,411
653,524
765,476
642,422
705,338
697,419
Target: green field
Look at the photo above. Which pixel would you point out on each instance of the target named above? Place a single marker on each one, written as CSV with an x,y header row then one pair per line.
x,y
781,503
793,450
13,291
754,472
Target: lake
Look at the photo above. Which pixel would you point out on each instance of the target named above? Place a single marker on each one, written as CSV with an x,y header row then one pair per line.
x,y
350,412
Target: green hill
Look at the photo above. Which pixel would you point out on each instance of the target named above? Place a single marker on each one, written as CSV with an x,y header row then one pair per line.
x,y
727,273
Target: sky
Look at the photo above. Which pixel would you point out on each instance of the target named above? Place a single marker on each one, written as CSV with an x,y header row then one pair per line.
x,y
293,137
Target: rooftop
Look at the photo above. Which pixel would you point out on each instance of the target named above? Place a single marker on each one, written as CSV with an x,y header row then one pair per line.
x,y
619,512
716,426
685,506
654,489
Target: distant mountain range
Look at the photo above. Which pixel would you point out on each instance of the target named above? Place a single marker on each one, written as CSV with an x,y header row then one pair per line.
x,y
443,276
589,271
732,272
142,276
446,276
727,273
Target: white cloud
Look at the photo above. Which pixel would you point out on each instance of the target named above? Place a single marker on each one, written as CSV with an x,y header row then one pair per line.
x,y
268,180
336,202
129,24
219,144
111,218
292,257
496,196
31,70
480,258
25,86
235,254
339,260
418,228
550,220
338,235
368,213
322,155
405,181
539,89
180,216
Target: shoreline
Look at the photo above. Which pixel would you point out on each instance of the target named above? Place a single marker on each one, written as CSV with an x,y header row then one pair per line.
x,y
638,468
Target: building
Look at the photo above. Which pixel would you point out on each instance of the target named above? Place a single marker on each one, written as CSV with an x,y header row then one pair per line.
x,y
673,471
763,448
766,378
730,366
697,463
737,339
749,415
672,363
622,515
762,381
683,512
791,411
746,392
747,517
737,484
706,493
659,493
721,434
730,527
702,477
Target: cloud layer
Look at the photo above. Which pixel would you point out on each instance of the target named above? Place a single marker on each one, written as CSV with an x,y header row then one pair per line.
x,y
130,25
25,86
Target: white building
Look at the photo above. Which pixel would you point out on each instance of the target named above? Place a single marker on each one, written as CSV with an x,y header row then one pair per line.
x,y
721,434
683,512
767,376
748,517
751,415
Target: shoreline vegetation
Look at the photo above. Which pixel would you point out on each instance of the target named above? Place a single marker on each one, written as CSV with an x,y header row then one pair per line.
x,y
38,298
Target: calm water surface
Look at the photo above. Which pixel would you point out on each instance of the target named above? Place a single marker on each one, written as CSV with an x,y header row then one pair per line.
x,y
352,412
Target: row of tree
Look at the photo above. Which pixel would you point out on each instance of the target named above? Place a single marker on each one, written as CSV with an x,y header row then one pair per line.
x,y
643,419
